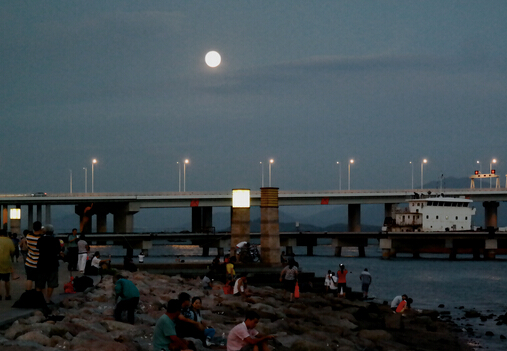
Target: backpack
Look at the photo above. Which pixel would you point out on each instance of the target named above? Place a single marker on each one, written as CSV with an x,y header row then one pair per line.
x,y
32,299
82,283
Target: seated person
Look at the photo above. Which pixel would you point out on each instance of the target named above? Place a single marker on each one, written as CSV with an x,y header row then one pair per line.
x,y
244,336
186,326
128,264
207,281
194,313
98,266
164,335
397,300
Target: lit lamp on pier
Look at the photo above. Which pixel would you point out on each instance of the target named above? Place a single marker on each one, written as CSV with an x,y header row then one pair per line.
x,y
422,171
94,161
270,163
240,217
185,174
15,217
491,170
350,162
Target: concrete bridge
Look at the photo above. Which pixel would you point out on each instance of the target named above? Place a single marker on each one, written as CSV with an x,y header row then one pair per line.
x,y
123,207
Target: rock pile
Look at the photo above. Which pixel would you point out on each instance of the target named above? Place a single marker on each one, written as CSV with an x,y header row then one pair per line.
x,y
314,322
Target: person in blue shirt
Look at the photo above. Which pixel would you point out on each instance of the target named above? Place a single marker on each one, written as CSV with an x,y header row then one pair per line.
x,y
129,298
164,335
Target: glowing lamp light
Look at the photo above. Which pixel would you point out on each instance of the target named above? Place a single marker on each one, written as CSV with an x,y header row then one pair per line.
x,y
241,198
15,213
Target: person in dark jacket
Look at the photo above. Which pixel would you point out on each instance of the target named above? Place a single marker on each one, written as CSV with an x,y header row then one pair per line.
x,y
50,251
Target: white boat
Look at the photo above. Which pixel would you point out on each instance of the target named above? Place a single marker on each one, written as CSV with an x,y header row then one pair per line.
x,y
433,214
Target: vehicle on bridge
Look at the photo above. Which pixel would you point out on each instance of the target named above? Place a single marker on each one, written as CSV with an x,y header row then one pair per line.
x,y
433,214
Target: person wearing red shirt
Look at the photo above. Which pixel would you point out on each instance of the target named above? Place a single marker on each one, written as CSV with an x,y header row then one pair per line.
x,y
342,280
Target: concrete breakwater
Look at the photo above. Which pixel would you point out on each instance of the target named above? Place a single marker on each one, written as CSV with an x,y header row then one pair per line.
x,y
313,322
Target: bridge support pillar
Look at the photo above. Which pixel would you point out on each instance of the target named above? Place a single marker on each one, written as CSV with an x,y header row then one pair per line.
x,y
270,228
202,219
354,213
240,227
490,213
102,222
289,244
48,214
30,218
386,246
39,213
490,247
124,217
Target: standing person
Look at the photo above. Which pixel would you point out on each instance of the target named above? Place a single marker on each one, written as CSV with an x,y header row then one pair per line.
x,y
283,260
83,251
47,267
327,280
33,254
164,335
289,278
333,285
6,250
342,280
23,245
15,241
129,298
244,335
72,250
366,280
230,273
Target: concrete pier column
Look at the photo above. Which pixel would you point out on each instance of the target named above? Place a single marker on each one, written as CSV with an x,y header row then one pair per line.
x,y
48,214
388,210
202,219
354,217
39,213
490,213
490,247
102,222
30,217
124,217
5,216
270,228
386,246
240,227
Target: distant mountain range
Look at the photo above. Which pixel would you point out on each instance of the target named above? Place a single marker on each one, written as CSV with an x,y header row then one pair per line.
x,y
329,218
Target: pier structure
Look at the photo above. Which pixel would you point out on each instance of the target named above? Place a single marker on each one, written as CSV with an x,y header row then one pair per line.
x,y
124,206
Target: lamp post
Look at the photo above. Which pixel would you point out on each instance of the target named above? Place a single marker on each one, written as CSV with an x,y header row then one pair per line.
x,y
490,169
350,162
94,161
412,174
270,163
480,171
70,170
86,179
422,165
184,174
340,171
262,175
179,176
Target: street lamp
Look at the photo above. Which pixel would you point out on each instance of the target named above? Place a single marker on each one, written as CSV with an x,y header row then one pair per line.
x,y
94,161
422,164
70,170
262,175
179,176
350,162
184,174
340,170
490,169
270,163
412,174
86,179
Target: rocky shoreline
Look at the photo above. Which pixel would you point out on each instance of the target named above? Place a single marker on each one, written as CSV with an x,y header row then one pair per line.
x,y
84,321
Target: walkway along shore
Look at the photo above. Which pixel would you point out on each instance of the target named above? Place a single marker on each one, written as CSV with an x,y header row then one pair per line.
x,y
313,322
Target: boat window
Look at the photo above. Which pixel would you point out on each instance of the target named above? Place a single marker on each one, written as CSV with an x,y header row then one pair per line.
x,y
440,204
427,217
456,217
448,204
466,217
436,217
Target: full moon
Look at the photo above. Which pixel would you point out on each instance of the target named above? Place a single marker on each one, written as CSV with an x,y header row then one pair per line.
x,y
213,59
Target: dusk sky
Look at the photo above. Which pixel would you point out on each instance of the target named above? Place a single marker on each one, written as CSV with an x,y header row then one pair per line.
x,y
306,83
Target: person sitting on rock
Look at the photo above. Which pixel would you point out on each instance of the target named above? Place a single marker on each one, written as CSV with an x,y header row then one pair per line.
x,y
99,266
164,335
194,313
397,300
129,298
244,336
186,326
240,286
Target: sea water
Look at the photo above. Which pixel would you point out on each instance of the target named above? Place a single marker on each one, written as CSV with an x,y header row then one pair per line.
x,y
431,280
